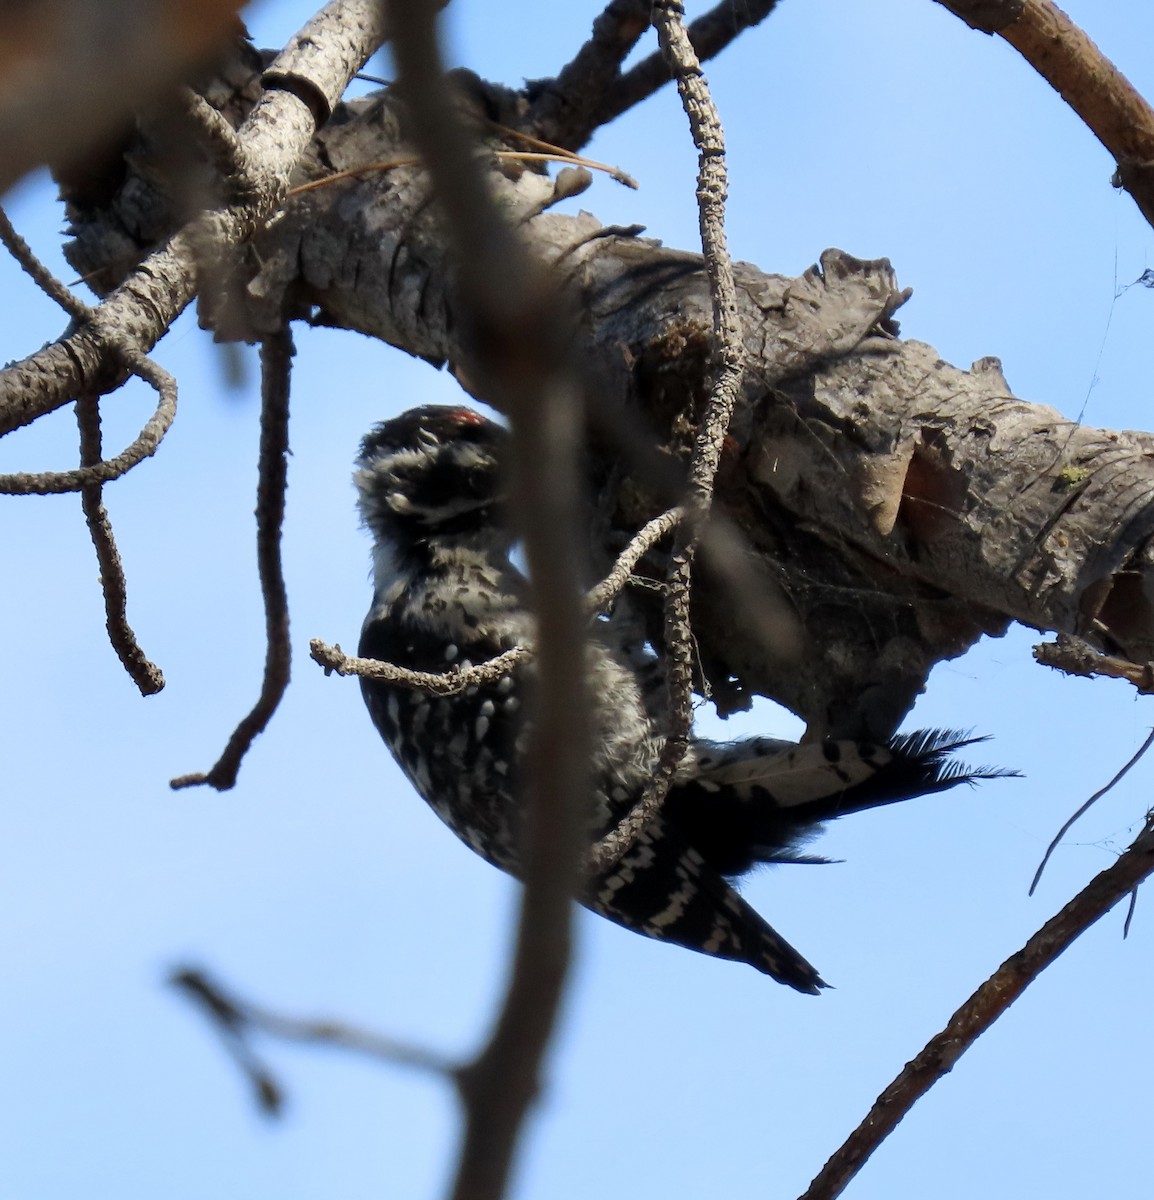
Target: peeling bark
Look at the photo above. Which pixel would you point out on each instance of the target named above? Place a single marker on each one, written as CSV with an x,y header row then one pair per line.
x,y
898,506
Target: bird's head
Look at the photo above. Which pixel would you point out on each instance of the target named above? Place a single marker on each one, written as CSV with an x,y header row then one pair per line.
x,y
433,472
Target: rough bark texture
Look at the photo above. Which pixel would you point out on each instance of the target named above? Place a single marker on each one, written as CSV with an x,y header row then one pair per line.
x,y
899,506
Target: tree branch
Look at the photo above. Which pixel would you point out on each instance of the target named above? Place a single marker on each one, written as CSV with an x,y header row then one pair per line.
x,y
727,370
1083,76
708,35
317,65
983,1008
272,482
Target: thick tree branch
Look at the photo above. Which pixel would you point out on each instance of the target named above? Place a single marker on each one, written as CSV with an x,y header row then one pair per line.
x,y
870,483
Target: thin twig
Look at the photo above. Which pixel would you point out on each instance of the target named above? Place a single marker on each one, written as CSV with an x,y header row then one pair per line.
x,y
38,272
237,1020
1086,808
598,600
712,185
449,683
276,364
457,678
1075,656
145,674
560,156
93,472
981,1010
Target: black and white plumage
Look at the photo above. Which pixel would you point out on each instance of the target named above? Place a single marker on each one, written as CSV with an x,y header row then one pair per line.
x,y
446,593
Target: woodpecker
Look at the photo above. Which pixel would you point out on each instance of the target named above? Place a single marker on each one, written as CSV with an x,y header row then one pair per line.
x,y
446,594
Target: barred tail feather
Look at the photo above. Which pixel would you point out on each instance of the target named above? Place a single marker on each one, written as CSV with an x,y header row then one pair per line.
x,y
665,890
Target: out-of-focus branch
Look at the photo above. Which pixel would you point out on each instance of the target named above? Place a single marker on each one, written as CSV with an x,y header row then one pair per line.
x,y
1084,77
276,363
237,1020
982,1009
303,84
517,351
62,92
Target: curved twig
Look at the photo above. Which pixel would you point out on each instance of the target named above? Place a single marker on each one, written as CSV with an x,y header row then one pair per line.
x,y
1084,808
38,272
147,676
276,362
44,483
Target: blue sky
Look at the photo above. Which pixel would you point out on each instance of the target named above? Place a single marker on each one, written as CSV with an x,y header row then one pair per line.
x,y
321,885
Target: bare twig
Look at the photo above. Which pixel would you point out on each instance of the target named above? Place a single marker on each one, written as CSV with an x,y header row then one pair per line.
x,y
1085,78
565,155
457,677
709,139
1086,808
603,595
981,1010
237,1020
520,355
708,35
276,363
145,674
1076,656
38,272
450,683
